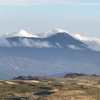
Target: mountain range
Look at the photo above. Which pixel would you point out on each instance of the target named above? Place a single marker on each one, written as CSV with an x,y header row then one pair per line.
x,y
49,53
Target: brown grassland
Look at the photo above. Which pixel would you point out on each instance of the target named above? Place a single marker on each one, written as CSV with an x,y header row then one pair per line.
x,y
77,88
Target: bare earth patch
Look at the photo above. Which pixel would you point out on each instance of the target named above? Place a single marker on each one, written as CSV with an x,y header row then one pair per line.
x,y
11,83
32,81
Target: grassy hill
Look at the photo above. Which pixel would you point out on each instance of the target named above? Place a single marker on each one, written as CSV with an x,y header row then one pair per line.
x,y
75,88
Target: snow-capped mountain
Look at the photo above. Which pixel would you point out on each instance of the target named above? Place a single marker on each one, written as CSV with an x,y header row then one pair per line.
x,y
58,52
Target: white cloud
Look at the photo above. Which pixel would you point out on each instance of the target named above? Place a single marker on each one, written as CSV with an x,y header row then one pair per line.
x,y
52,32
21,33
16,44
83,3
58,45
25,2
24,42
31,43
38,2
74,47
92,43
4,43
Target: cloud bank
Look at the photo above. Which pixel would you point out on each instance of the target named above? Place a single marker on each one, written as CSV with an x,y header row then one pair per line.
x,y
25,43
4,43
21,33
74,47
52,32
41,2
92,43
31,43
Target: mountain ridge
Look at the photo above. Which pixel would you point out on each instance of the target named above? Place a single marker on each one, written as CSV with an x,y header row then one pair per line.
x,y
47,56
91,43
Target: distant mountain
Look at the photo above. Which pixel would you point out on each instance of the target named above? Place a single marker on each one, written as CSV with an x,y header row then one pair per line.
x,y
50,55
63,40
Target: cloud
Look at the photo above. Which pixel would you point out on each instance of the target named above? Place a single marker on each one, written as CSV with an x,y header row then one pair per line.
x,y
92,43
52,32
21,33
31,43
4,43
39,2
25,2
24,42
74,47
83,3
58,45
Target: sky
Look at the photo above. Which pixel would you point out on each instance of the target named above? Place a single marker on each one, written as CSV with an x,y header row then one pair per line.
x,y
36,16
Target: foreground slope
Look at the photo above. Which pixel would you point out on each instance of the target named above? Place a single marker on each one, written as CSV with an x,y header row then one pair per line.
x,y
43,88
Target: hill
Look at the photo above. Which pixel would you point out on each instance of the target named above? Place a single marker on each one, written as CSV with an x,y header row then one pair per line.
x,y
46,88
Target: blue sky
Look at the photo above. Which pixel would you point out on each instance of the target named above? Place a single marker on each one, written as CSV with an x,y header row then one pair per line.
x,y
75,16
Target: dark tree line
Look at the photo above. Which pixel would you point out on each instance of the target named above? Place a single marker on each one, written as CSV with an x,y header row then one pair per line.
x,y
72,75
27,77
78,74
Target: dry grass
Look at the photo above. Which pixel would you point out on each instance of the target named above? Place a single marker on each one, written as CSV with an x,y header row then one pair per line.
x,y
78,88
